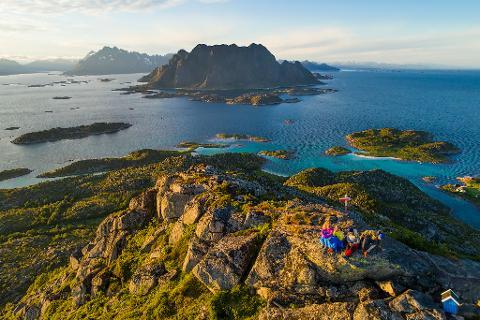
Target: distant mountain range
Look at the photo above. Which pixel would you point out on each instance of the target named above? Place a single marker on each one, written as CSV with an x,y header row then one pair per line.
x,y
8,67
228,67
110,60
315,66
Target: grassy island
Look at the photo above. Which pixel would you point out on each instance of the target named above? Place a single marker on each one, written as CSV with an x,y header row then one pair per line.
x,y
469,189
279,154
337,151
13,173
191,145
225,136
56,134
402,144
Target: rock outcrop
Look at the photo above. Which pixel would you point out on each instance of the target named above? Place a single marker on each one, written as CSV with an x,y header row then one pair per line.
x,y
217,228
228,67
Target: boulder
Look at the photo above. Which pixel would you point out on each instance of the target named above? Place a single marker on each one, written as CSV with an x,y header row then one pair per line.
x,y
375,310
255,218
195,252
173,205
176,233
331,311
416,305
391,287
193,212
212,226
227,262
144,202
146,277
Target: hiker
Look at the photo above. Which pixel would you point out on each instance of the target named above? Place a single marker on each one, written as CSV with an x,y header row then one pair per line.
x,y
370,240
330,242
327,233
353,242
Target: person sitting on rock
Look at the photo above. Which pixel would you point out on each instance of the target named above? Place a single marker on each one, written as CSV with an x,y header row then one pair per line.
x,y
353,242
326,234
370,240
329,241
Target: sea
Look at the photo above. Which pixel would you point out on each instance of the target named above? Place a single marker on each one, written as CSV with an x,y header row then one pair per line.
x,y
445,103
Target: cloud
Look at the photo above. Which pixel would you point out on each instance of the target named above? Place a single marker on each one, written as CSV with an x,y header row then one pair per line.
x,y
89,6
455,47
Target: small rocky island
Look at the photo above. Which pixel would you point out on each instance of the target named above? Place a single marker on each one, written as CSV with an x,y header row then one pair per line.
x,y
192,145
468,189
62,98
337,151
13,173
279,154
227,136
56,134
410,145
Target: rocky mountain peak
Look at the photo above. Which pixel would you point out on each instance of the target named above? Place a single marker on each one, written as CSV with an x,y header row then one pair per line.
x,y
228,67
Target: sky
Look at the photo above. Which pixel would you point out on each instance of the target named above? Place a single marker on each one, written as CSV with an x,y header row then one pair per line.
x,y
429,32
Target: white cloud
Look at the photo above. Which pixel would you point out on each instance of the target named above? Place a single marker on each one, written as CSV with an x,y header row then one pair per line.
x,y
456,47
88,6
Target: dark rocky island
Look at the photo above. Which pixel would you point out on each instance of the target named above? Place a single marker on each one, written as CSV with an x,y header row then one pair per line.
x,y
13,173
228,67
213,237
62,98
279,154
406,145
56,134
337,151
228,136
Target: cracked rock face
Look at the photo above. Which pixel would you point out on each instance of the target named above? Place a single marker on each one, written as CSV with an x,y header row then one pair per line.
x,y
226,263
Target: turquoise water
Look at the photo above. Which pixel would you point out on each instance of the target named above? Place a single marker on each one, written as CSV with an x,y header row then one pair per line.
x,y
446,103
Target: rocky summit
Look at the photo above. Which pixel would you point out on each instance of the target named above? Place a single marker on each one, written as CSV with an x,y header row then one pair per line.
x,y
228,67
205,243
